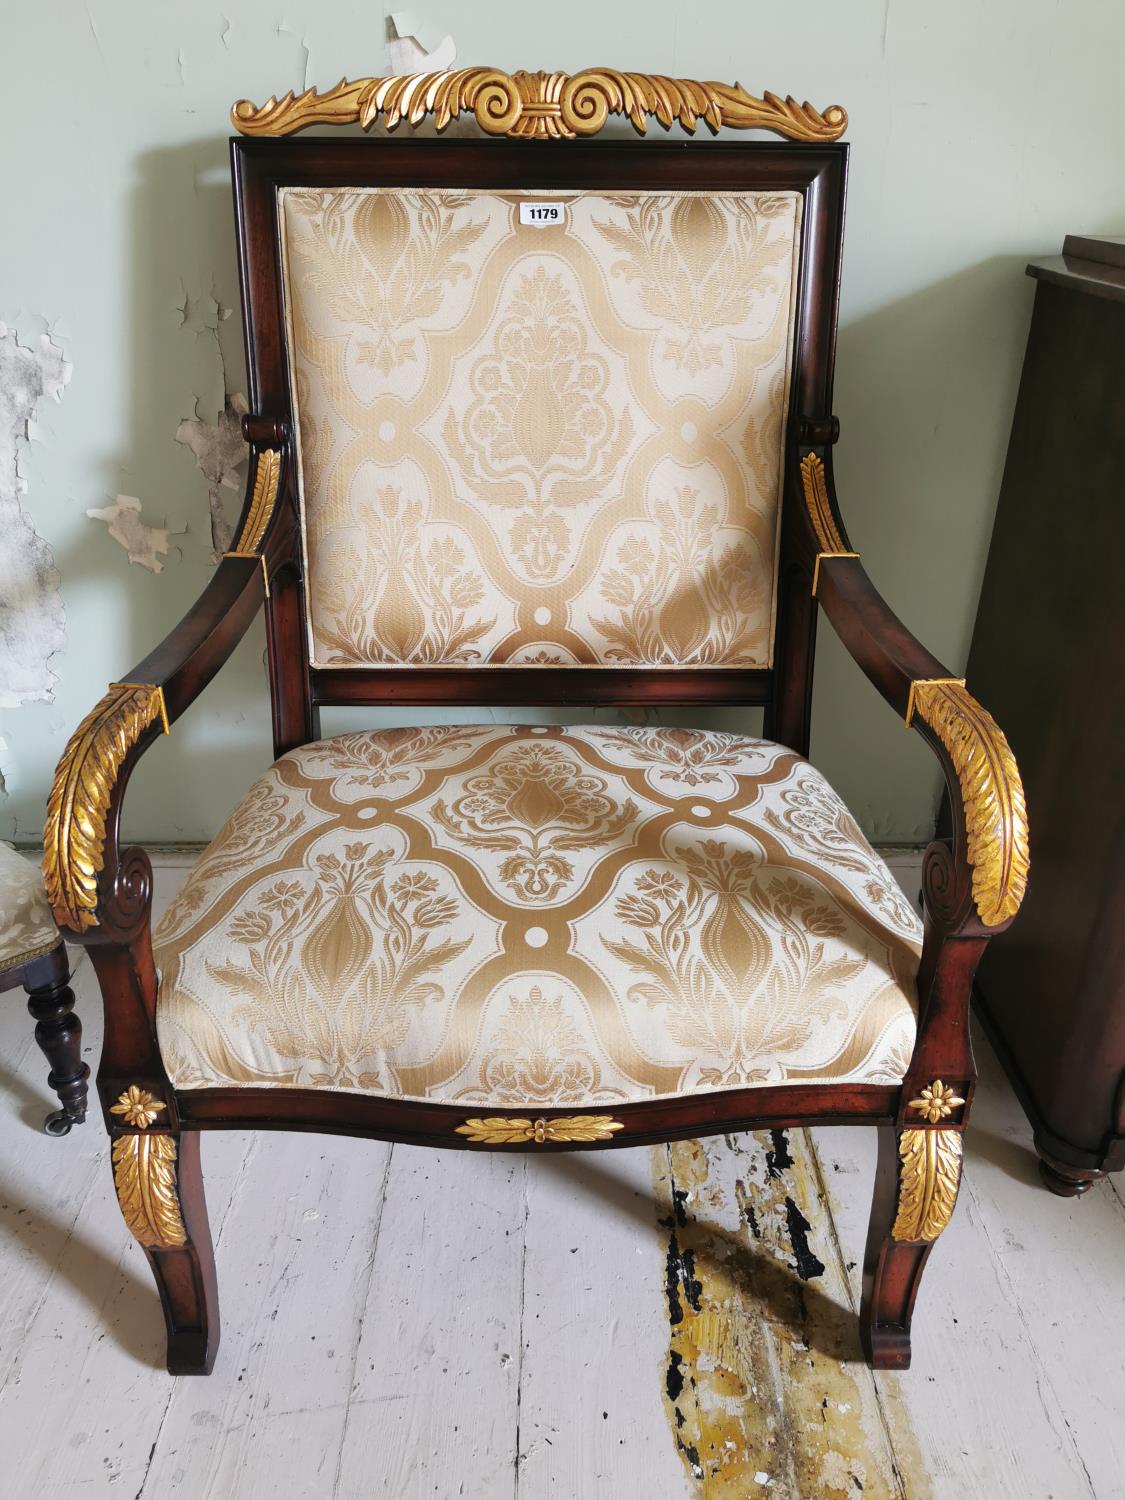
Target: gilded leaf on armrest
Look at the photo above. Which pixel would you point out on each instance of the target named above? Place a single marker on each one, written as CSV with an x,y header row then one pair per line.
x,y
540,106
267,472
820,509
74,835
991,791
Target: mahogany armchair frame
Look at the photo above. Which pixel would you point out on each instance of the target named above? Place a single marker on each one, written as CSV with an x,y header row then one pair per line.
x,y
101,892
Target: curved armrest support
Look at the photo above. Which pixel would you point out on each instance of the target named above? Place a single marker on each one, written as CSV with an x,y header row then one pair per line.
x,y
981,772
89,884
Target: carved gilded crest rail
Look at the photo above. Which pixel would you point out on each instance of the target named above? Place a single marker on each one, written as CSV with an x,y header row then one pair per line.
x,y
539,106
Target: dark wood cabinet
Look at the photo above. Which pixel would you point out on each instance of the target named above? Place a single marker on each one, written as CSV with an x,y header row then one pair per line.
x,y
1048,657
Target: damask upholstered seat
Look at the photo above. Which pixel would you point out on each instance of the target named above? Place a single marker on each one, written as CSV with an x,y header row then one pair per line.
x,y
27,928
524,917
32,955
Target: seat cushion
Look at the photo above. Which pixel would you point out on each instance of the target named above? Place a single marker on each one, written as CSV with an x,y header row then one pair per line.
x,y
514,916
27,928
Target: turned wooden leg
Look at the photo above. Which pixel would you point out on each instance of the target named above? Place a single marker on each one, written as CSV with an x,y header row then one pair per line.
x,y
160,1189
59,1034
915,1189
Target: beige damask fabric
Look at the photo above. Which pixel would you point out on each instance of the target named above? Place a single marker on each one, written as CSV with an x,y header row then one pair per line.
x,y
524,916
27,928
540,444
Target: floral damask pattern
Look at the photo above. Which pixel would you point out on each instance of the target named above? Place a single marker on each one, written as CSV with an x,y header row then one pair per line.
x,y
738,958
483,411
420,603
537,1056
700,267
682,599
812,819
27,927
520,916
534,805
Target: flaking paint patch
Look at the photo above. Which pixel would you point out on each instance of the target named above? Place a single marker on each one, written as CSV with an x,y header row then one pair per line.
x,y
220,451
764,1386
144,545
32,619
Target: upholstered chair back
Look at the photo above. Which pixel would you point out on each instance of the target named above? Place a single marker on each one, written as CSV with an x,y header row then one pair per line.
x,y
539,427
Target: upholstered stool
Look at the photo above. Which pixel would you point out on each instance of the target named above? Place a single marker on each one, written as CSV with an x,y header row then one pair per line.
x,y
32,954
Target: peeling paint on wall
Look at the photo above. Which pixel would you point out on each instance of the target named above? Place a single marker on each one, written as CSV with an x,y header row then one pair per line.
x,y
220,451
765,1387
144,545
414,46
32,619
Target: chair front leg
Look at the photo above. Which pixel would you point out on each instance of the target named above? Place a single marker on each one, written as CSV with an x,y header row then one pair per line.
x,y
920,1154
159,1186
916,1182
58,1031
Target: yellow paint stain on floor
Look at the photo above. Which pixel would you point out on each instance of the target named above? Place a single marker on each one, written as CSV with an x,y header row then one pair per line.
x,y
765,1386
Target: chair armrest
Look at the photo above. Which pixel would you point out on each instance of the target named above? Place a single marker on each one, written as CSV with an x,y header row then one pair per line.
x,y
990,817
89,885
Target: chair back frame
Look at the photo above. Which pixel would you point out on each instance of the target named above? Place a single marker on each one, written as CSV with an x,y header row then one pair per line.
x,y
817,172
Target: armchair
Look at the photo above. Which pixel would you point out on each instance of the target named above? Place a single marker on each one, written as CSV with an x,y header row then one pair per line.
x,y
537,420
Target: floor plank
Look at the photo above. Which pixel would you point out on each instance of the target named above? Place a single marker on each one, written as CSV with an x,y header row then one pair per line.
x,y
595,1339
434,1402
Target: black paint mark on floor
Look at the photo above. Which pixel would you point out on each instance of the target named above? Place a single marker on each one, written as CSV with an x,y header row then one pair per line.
x,y
808,1264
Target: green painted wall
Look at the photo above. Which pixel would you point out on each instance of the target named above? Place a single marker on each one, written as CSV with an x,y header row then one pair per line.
x,y
982,131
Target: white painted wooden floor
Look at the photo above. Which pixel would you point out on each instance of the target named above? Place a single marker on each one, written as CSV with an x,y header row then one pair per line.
x,y
426,1324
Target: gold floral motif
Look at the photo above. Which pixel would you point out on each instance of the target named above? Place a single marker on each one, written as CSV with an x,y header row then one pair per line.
x,y
936,1102
711,940
383,261
75,831
332,967
539,436
144,1174
28,929
498,1130
687,600
819,824
991,792
539,105
535,804
929,1175
267,474
689,757
537,1056
137,1106
412,599
701,267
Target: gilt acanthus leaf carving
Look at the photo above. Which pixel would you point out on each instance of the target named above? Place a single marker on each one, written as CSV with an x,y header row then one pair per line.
x,y
991,791
502,1130
929,1175
539,105
75,831
144,1174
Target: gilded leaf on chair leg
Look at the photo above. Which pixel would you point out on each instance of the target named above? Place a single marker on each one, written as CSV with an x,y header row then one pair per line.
x,y
144,1174
929,1175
